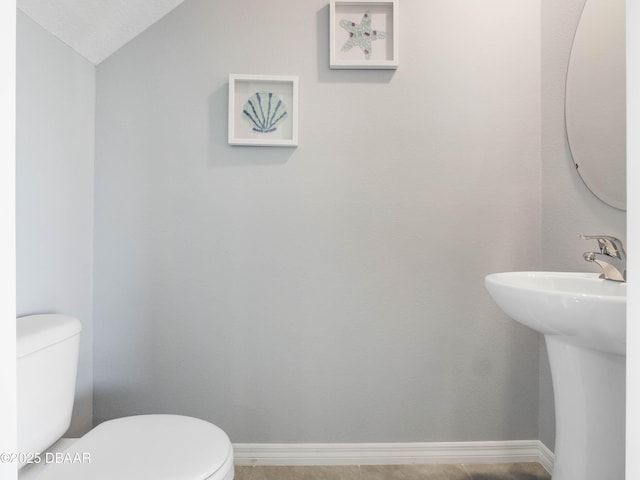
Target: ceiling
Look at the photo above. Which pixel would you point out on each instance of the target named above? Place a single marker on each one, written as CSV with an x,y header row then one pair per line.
x,y
96,28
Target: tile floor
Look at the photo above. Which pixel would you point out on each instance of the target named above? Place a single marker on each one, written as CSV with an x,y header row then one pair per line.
x,y
495,471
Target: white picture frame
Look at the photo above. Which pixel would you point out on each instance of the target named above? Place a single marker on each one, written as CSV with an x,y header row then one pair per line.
x,y
257,104
363,34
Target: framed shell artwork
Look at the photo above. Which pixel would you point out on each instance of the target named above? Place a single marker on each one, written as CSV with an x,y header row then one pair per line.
x,y
363,34
263,110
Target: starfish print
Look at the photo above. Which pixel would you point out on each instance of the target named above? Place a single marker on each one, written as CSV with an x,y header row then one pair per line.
x,y
361,35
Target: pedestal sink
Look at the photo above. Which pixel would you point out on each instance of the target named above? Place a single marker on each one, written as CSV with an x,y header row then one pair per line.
x,y
583,320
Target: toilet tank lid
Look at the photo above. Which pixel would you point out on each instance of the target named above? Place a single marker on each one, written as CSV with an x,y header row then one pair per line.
x,y
35,332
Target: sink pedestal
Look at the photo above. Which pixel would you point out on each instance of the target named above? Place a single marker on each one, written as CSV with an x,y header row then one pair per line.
x,y
589,395
583,320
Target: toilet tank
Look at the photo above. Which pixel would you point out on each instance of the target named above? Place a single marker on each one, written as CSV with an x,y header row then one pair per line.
x,y
47,362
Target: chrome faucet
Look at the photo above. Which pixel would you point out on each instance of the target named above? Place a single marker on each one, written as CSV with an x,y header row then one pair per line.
x,y
611,258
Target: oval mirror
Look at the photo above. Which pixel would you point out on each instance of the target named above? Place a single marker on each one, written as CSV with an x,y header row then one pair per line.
x,y
595,100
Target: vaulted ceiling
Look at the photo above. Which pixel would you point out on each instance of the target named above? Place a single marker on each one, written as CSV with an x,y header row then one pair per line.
x,y
96,28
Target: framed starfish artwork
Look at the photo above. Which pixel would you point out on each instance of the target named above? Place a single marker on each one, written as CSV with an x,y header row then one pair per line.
x,y
363,34
263,110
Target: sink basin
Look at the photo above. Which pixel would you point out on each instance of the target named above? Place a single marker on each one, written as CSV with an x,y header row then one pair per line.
x,y
587,310
583,320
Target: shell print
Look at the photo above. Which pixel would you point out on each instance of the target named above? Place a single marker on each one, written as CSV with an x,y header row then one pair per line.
x,y
265,111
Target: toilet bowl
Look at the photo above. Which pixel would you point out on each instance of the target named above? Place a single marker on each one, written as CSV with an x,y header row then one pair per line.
x,y
155,447
158,447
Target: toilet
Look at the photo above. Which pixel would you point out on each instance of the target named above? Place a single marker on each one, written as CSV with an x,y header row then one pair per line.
x,y
159,447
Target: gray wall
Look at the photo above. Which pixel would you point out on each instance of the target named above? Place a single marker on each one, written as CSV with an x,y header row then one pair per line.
x,y
568,207
54,189
332,292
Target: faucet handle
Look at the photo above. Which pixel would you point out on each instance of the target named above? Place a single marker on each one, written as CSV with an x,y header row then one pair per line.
x,y
608,245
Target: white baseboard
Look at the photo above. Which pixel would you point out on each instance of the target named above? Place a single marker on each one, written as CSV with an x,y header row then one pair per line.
x,y
392,453
547,458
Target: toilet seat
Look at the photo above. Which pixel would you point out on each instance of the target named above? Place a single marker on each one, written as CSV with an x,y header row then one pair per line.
x,y
159,447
